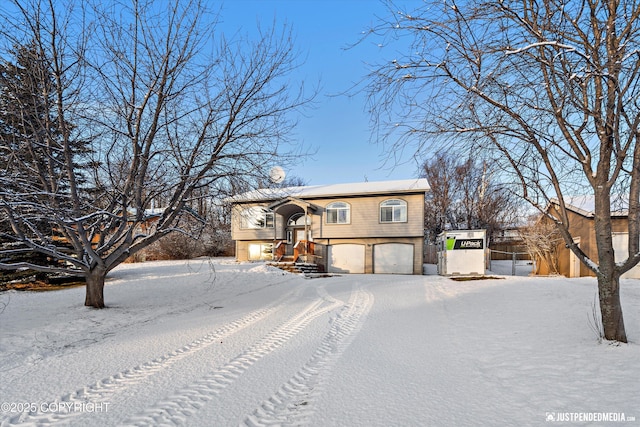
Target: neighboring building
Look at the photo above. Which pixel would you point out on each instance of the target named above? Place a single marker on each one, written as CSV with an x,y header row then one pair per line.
x,y
581,226
369,227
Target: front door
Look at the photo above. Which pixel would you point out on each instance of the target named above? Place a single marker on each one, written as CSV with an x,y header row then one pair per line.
x,y
294,235
299,235
295,230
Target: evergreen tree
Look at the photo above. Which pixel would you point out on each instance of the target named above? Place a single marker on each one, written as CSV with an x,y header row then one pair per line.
x,y
32,152
32,155
28,130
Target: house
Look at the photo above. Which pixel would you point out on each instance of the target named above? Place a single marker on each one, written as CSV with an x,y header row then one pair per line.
x,y
369,227
580,210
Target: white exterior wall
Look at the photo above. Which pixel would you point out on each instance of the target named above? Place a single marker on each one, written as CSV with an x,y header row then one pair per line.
x,y
461,252
621,248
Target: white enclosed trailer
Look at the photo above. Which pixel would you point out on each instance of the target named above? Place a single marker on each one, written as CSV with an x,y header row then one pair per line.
x,y
461,252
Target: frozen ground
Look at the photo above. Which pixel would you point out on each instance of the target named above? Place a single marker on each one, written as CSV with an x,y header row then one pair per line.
x,y
216,343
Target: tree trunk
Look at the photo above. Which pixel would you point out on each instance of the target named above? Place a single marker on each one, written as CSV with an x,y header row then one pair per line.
x,y
95,288
610,309
608,275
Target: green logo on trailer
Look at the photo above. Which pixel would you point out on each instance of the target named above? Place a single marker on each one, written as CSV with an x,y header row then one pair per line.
x,y
451,241
468,244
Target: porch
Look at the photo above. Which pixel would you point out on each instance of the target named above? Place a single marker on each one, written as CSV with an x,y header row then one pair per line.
x,y
304,252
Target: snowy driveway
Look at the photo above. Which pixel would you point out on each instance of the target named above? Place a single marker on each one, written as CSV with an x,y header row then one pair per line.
x,y
181,345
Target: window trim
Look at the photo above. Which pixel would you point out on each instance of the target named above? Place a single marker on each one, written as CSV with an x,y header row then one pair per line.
x,y
396,210
345,208
248,218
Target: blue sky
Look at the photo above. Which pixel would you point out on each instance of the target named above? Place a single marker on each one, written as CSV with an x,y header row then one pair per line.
x,y
338,127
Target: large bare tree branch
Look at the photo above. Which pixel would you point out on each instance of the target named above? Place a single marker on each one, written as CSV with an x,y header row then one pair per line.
x,y
548,90
150,106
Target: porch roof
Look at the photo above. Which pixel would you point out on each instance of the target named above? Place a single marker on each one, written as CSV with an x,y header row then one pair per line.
x,y
288,201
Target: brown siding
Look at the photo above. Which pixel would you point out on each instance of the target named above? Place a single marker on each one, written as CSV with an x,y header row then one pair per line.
x,y
581,228
365,219
238,233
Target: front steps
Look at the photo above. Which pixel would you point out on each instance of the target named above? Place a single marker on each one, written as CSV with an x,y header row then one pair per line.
x,y
308,269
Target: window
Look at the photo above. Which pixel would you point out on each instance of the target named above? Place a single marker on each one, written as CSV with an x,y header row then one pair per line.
x,y
338,213
258,251
256,217
393,210
298,219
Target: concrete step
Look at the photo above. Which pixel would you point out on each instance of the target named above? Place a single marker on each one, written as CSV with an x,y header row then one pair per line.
x,y
296,267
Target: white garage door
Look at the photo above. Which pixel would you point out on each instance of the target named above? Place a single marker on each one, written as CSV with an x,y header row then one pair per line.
x,y
348,258
393,258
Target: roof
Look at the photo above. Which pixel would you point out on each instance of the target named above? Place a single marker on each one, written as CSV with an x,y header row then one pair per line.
x,y
586,205
158,212
406,186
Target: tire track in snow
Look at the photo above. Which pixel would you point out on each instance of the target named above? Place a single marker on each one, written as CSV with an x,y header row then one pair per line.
x,y
106,387
292,404
178,407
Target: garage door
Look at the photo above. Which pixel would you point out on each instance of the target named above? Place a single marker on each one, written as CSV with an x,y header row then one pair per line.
x,y
348,258
393,258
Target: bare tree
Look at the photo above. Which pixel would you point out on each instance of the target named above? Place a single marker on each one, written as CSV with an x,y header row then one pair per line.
x,y
464,194
168,106
439,201
548,89
541,239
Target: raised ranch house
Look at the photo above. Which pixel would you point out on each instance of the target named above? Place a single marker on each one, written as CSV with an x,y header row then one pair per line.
x,y
582,228
369,227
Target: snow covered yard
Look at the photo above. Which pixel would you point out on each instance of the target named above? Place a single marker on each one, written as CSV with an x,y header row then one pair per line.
x,y
217,343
